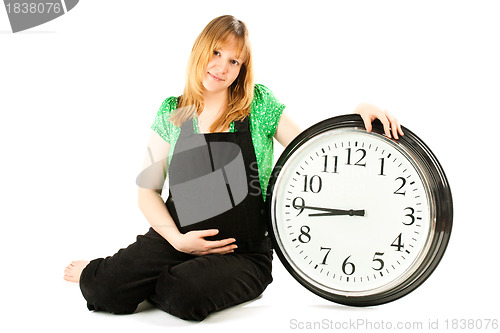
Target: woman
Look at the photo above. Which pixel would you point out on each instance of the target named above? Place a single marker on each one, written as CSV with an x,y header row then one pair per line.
x,y
208,247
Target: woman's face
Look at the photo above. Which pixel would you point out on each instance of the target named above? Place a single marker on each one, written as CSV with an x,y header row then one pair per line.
x,y
223,69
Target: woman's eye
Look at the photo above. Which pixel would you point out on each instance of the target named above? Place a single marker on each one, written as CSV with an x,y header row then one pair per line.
x,y
217,53
234,62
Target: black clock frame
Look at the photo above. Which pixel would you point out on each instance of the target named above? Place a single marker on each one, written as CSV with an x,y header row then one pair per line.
x,y
440,197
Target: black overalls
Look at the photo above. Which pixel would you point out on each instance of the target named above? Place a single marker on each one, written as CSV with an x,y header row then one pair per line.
x,y
209,184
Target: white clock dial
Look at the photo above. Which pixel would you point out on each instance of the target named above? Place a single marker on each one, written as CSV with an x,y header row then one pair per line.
x,y
352,212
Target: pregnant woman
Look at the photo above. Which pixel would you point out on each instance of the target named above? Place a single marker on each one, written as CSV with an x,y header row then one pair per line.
x,y
208,247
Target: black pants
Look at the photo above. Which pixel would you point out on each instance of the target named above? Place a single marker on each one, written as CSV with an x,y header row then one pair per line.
x,y
186,286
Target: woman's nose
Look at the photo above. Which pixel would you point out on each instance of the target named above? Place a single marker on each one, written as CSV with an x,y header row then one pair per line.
x,y
221,66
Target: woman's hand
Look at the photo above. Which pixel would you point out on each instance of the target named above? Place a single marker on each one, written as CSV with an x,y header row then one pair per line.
x,y
370,112
194,242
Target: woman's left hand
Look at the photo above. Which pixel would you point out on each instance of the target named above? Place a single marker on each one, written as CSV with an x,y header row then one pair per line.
x,y
370,112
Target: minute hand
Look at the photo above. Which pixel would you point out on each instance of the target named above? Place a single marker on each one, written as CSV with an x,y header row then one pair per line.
x,y
335,212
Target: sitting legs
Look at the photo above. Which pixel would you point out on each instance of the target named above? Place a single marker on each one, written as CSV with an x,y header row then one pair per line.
x,y
194,289
186,286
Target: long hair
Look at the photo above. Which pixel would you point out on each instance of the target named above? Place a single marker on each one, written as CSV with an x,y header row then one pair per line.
x,y
240,93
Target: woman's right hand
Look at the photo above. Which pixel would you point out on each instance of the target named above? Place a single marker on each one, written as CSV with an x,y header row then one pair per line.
x,y
194,242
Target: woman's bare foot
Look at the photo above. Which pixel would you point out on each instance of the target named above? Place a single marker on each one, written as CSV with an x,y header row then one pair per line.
x,y
74,270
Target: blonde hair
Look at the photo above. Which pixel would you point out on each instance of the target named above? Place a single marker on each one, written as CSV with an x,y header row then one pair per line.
x,y
240,93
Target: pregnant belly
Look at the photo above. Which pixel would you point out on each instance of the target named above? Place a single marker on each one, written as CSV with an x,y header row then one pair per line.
x,y
232,223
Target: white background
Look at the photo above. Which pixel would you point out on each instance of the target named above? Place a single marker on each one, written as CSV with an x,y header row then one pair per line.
x,y
78,96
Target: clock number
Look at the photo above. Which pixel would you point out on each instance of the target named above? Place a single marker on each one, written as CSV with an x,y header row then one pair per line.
x,y
314,188
410,216
382,162
398,244
347,264
326,255
296,206
402,185
380,261
336,159
358,163
304,234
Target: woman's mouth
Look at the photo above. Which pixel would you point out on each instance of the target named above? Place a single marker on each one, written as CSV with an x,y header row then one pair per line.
x,y
215,77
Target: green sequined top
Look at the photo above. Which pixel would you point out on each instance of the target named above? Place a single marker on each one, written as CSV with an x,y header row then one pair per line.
x,y
265,112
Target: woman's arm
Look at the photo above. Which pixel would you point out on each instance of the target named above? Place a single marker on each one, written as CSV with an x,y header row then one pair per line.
x,y
287,129
150,182
151,204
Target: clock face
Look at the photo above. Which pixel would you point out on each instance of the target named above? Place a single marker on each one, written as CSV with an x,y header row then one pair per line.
x,y
353,214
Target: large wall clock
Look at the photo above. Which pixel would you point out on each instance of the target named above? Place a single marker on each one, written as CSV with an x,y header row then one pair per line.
x,y
356,217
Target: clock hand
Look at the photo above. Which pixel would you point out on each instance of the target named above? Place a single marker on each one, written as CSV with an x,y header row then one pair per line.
x,y
331,211
337,212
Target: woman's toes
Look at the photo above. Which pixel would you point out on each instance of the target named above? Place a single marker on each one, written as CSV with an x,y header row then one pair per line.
x,y
74,270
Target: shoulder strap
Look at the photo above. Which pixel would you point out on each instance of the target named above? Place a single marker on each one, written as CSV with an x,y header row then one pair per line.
x,y
243,125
